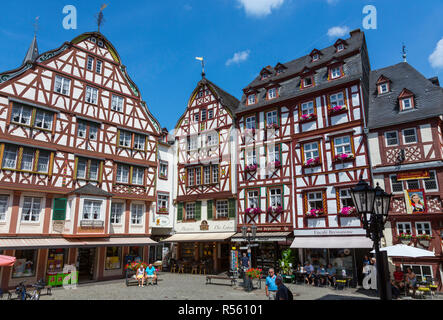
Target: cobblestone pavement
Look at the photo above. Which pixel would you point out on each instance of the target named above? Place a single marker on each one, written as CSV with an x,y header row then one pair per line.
x,y
193,287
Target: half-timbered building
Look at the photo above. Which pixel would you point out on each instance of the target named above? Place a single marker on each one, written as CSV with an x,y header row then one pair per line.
x,y
406,141
78,163
205,181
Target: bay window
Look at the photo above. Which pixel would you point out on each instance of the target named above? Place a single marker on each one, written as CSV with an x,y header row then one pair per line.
x,y
92,210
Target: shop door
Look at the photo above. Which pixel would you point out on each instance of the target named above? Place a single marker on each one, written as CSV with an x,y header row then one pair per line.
x,y
86,264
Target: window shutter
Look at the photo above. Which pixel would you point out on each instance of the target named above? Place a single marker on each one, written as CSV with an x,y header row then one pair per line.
x,y
232,210
75,168
59,211
210,209
180,211
118,138
2,151
198,210
51,164
100,173
36,156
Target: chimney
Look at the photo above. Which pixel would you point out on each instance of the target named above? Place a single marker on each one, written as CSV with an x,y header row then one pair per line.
x,y
435,81
355,32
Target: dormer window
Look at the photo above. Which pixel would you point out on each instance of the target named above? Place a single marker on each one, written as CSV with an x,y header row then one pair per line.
x,y
272,93
383,88
307,82
406,100
336,72
340,47
251,99
264,76
315,57
407,104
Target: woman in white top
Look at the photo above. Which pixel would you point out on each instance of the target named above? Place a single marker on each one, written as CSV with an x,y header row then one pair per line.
x,y
141,276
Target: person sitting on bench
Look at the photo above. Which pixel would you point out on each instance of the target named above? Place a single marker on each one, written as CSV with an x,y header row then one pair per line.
x,y
151,274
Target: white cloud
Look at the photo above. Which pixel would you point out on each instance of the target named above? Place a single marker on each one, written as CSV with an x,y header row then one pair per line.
x,y
338,31
260,8
332,2
238,57
436,58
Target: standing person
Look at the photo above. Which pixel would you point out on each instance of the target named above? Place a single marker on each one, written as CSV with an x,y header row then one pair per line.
x,y
245,262
271,287
151,273
283,293
141,275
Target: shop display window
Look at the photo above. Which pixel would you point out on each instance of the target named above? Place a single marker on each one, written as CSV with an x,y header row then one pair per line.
x,y
187,251
25,264
56,260
113,258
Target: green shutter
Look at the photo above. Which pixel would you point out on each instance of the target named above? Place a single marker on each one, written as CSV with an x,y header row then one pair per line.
x,y
180,212
198,210
210,209
232,210
59,211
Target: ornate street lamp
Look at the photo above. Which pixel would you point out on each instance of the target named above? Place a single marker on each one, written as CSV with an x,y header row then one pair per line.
x,y
250,234
372,205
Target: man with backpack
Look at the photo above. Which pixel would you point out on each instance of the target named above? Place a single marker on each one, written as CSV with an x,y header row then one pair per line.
x,y
283,293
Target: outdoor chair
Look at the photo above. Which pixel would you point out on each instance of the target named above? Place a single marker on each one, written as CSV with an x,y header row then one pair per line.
x,y
174,268
202,268
194,269
181,268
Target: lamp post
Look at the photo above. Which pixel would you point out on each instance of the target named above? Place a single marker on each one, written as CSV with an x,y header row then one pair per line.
x,y
250,234
372,205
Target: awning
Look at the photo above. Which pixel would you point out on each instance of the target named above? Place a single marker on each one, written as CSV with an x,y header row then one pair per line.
x,y
199,237
264,237
55,243
332,243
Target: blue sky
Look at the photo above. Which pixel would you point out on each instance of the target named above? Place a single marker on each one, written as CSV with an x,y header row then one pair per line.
x,y
159,40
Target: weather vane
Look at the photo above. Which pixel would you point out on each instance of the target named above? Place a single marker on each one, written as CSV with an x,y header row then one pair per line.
x,y
36,25
100,18
203,65
404,52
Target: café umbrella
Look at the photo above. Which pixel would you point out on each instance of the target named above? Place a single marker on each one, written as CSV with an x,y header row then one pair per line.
x,y
404,251
6,261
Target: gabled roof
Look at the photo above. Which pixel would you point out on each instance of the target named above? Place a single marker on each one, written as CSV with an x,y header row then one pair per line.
x,y
384,110
383,79
91,190
405,93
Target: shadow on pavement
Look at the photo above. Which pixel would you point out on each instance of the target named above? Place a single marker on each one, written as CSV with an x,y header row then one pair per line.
x,y
338,297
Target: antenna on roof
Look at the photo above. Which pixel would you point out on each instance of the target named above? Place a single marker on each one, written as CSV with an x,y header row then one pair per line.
x,y
100,17
404,53
203,65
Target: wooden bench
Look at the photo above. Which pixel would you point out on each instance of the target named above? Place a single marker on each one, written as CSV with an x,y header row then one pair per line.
x,y
130,279
226,278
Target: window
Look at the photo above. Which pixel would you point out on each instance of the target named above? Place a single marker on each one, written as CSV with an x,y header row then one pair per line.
x,y
93,132
163,203
215,173
346,199
125,139
253,199
43,161
275,197
422,272
337,100
250,123
138,175
191,177
82,129
10,157
315,57
221,208
409,136
87,130
62,85
210,114
196,117
27,159
136,214
251,99
93,40
383,88
163,172
431,183
206,175
43,119
99,66
272,93
413,184
200,94
391,138
423,228
21,114
31,209
204,113
340,47
335,72
122,173
315,200
274,153
198,176
307,82
190,211
192,143
116,213
307,108
117,103
407,104
396,186
91,95
311,151
90,63
88,169
100,44
91,210
404,227
251,157
139,142
26,264
113,258
3,207
212,139
342,145
271,117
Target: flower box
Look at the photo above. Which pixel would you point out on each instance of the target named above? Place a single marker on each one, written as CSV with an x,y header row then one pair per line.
x,y
162,210
337,110
278,209
405,236
315,213
348,212
308,117
274,126
162,176
312,162
253,211
343,157
274,164
251,168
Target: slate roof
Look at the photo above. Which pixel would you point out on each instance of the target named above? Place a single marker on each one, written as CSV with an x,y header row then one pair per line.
x,y
91,190
384,109
32,53
227,100
290,88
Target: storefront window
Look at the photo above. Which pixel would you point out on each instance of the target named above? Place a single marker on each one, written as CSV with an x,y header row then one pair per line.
x,y
317,257
25,264
56,260
342,260
113,258
187,251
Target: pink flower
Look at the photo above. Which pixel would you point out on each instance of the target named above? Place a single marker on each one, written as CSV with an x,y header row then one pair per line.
x,y
313,161
252,167
347,211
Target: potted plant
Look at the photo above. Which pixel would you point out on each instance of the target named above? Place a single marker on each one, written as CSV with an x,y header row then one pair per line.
x,y
274,165
275,209
274,126
347,211
252,274
285,264
314,213
253,211
307,117
337,109
343,157
312,162
251,168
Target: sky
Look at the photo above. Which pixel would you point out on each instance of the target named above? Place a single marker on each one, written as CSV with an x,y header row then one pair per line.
x,y
159,40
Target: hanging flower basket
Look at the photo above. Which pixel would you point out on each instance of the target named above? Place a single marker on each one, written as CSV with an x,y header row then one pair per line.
x,y
315,213
253,211
337,109
343,157
308,117
252,168
277,209
312,162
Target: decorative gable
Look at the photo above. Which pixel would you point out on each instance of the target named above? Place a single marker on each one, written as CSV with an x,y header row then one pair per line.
x,y
340,45
315,55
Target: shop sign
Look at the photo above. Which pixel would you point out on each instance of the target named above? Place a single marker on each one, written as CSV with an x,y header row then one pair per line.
x,y
58,226
330,232
204,226
273,229
92,224
413,175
